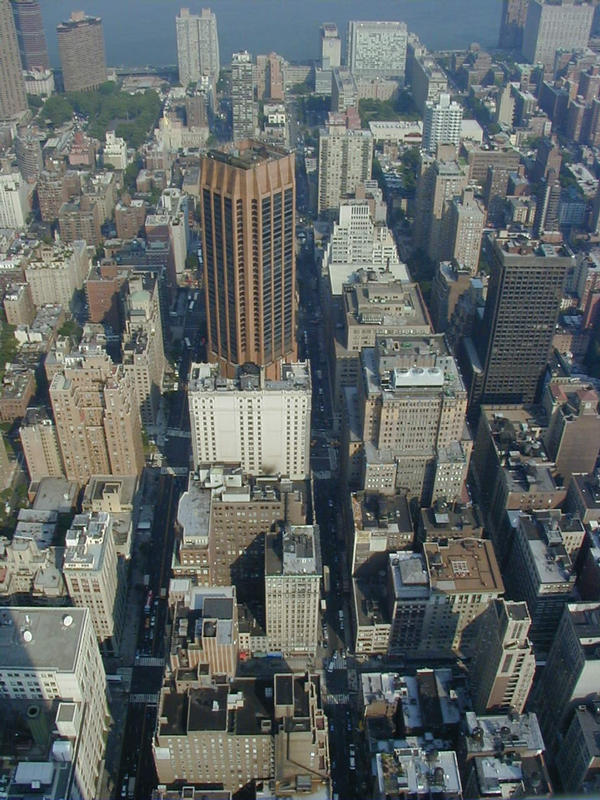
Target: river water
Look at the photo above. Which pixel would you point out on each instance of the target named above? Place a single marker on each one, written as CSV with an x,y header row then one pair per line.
x,y
139,32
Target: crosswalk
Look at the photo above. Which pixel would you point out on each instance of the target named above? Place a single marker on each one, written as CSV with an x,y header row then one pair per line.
x,y
150,661
338,699
140,699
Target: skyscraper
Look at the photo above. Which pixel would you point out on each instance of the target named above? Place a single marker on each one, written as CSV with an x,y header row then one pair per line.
x,y
331,46
30,34
197,46
503,663
555,26
377,49
243,105
522,305
345,160
13,100
441,123
97,417
248,229
439,183
512,24
81,50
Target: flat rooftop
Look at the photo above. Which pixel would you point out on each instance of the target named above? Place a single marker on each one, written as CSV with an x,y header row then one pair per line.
x,y
41,638
463,566
246,155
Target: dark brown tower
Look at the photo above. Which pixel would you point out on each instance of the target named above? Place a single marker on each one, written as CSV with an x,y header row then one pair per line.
x,y
248,234
522,305
30,34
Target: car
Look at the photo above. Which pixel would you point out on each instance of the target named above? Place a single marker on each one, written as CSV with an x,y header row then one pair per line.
x,y
330,503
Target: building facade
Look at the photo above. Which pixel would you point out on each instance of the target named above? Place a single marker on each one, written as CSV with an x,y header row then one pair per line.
x,y
503,664
81,50
30,35
13,99
345,160
244,107
442,122
377,49
51,655
262,425
551,27
248,239
521,309
293,589
197,46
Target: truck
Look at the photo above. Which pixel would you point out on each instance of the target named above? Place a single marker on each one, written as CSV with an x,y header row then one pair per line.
x,y
323,605
146,581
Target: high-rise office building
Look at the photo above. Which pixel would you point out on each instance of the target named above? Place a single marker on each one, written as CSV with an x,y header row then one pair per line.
x,y
47,656
262,425
244,107
30,34
13,99
572,672
81,50
441,123
377,49
555,26
512,24
503,663
248,229
293,588
197,46
521,309
331,46
345,160
91,575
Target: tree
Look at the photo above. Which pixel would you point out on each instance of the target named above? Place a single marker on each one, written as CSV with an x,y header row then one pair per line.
x,y
57,110
34,101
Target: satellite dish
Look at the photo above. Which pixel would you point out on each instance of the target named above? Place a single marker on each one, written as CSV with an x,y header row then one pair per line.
x,y
67,620
28,636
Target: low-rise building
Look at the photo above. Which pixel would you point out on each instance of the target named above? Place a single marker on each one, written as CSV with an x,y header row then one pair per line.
x,y
381,524
406,769
205,638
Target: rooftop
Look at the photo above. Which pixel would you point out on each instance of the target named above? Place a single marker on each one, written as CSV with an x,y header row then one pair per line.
x,y
206,378
295,550
503,733
463,566
247,154
41,638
